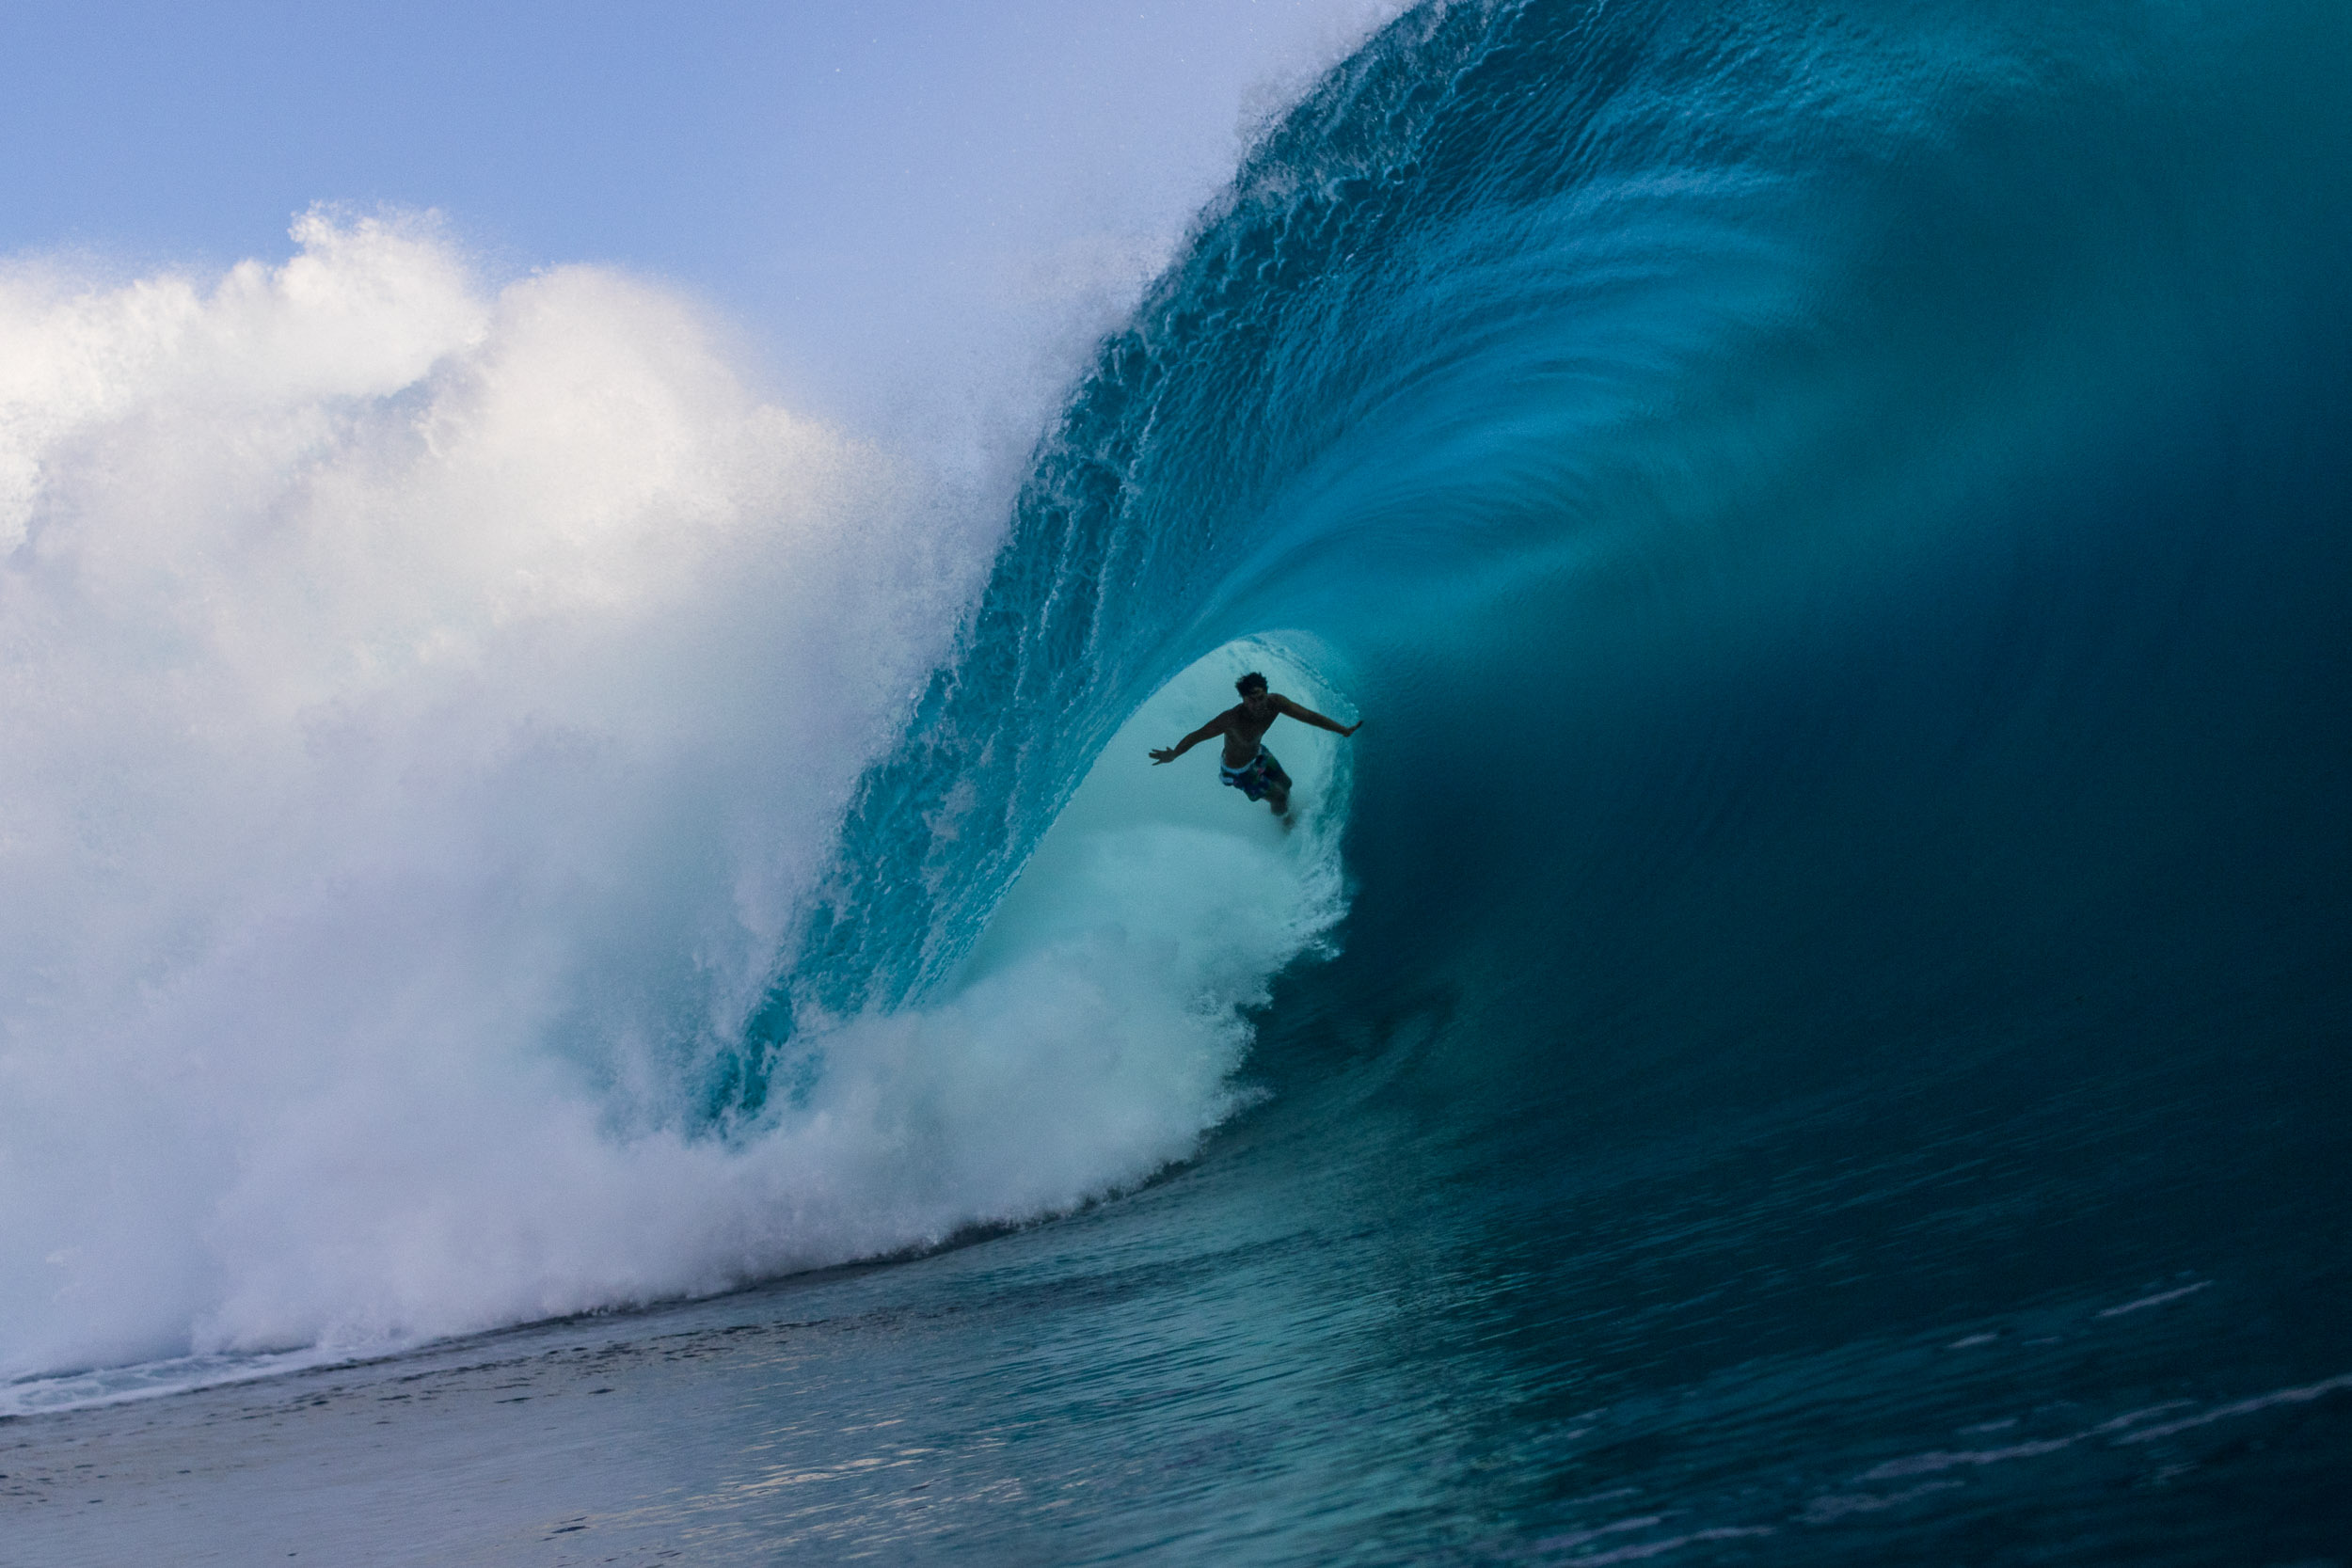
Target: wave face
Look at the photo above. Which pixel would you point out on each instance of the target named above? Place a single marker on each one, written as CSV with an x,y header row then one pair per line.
x,y
1751,462
1838,527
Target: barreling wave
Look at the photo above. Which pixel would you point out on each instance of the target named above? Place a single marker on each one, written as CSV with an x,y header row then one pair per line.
x,y
1809,498
1835,525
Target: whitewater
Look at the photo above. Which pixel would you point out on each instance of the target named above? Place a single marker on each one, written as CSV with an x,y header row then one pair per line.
x,y
1808,1026
428,707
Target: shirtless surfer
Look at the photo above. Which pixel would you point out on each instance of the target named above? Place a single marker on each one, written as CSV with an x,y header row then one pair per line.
x,y
1248,765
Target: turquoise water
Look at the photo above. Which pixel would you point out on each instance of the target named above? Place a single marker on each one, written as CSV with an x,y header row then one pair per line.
x,y
1837,524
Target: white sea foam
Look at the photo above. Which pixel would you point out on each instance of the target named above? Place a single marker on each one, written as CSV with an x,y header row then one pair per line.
x,y
422,707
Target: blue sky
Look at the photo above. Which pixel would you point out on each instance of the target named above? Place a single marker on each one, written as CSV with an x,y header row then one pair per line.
x,y
894,200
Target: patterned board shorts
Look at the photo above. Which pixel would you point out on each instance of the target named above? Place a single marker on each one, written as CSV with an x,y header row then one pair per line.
x,y
1258,776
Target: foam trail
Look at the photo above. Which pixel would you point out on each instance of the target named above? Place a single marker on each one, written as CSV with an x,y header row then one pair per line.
x,y
428,707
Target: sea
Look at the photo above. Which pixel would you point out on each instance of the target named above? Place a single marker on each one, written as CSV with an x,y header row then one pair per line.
x,y
593,970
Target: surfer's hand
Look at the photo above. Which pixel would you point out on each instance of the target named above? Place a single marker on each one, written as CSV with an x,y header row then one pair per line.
x,y
1163,754
1351,729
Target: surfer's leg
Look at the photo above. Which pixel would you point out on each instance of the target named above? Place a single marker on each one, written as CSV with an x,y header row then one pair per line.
x,y
1277,784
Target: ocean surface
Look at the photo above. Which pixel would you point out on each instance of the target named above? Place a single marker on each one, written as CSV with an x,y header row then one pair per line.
x,y
594,973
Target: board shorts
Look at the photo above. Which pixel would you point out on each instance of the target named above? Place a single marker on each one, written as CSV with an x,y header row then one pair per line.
x,y
1256,776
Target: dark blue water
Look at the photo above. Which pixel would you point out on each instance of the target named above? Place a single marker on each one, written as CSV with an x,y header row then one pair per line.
x,y
1839,523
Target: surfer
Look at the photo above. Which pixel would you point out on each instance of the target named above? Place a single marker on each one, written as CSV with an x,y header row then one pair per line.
x,y
1248,765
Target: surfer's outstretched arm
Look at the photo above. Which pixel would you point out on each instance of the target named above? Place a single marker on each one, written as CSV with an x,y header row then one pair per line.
x,y
1169,753
1309,715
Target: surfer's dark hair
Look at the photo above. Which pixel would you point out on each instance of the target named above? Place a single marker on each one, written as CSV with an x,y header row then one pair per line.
x,y
1249,680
